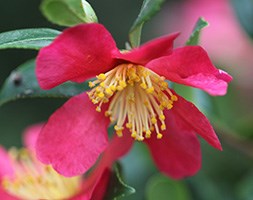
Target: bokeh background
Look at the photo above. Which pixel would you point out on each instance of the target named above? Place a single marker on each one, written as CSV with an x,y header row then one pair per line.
x,y
226,175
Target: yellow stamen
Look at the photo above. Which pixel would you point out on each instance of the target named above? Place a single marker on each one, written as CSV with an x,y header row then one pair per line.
x,y
33,180
159,136
163,127
138,97
91,84
174,98
101,77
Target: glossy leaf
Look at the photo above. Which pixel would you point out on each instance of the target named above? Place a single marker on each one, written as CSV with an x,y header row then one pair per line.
x,y
149,9
34,38
117,188
194,38
163,188
68,12
22,83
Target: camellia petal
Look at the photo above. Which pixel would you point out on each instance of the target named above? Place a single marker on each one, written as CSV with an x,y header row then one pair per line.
x,y
117,147
190,114
97,190
5,196
113,152
31,134
151,50
74,137
6,166
101,186
178,153
77,54
191,66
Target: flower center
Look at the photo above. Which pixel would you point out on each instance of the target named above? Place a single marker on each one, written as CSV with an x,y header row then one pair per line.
x,y
138,99
33,180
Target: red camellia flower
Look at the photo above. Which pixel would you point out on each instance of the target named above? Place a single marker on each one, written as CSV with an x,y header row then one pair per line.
x,y
131,92
22,176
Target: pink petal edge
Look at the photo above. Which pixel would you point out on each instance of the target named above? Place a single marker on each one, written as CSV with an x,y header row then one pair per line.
x,y
31,134
191,66
151,50
6,168
190,114
79,53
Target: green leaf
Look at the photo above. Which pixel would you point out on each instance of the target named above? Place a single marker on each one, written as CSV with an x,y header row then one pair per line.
x,y
205,188
22,83
68,12
194,38
244,11
117,187
34,38
163,188
149,9
245,187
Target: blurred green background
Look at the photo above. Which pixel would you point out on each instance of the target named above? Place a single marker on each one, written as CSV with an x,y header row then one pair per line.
x,y
226,175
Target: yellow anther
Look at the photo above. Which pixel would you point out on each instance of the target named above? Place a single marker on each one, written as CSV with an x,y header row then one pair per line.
x,y
119,133
146,103
130,82
101,95
113,88
98,89
162,117
134,77
101,77
153,120
108,113
170,102
148,134
144,86
102,84
134,134
117,128
109,91
174,98
129,125
164,85
94,101
164,103
161,107
150,90
98,109
122,84
152,128
159,136
169,106
140,138
119,88
163,127
137,79
91,84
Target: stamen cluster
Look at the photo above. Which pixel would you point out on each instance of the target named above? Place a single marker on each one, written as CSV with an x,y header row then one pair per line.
x,y
139,97
33,180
